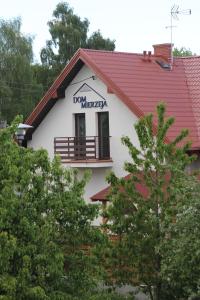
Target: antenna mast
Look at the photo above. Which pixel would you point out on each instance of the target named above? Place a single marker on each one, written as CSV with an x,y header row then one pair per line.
x,y
175,11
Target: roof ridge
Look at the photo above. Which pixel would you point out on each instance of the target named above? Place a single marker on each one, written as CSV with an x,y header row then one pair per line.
x,y
111,52
187,57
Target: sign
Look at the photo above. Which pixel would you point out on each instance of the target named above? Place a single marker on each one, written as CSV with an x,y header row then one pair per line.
x,y
89,104
85,101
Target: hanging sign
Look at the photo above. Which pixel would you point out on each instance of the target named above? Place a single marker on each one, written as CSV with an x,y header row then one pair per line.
x,y
89,104
85,101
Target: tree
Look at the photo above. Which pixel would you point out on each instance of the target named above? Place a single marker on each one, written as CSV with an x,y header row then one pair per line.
x,y
109,295
182,52
69,33
144,205
96,41
45,227
43,75
182,255
18,90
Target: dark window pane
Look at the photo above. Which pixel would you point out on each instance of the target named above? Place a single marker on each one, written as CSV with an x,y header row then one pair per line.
x,y
80,143
103,135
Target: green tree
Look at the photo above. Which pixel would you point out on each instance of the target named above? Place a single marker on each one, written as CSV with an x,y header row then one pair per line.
x,y
68,34
182,254
45,227
109,295
144,205
43,75
98,42
182,52
18,90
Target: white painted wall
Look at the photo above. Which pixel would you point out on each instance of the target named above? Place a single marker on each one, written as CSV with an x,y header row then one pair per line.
x,y
60,122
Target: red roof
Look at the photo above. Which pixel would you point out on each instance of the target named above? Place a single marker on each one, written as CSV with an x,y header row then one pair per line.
x,y
140,186
103,194
141,84
192,72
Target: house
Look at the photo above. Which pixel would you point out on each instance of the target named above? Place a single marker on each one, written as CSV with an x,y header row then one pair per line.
x,y
100,95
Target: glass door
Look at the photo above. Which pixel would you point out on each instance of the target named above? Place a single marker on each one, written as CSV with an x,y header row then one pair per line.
x,y
80,139
103,135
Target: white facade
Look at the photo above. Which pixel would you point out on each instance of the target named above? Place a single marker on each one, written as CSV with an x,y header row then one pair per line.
x,y
60,122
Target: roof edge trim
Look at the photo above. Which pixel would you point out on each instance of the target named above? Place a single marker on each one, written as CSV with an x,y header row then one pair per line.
x,y
52,91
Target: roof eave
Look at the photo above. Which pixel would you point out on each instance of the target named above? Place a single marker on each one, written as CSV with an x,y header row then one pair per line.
x,y
55,91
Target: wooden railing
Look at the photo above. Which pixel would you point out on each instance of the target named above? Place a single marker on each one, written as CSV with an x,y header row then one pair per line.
x,y
82,148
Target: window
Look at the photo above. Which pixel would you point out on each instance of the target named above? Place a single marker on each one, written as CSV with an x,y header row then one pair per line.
x,y
103,135
80,138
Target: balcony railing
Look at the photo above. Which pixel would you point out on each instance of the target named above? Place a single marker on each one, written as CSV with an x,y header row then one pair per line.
x,y
82,148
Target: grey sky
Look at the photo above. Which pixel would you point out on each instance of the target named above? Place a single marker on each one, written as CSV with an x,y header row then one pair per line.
x,y
135,24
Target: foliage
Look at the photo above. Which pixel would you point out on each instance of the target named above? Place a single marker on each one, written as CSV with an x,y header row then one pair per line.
x,y
43,75
18,90
182,52
68,34
108,295
182,254
144,205
96,41
45,227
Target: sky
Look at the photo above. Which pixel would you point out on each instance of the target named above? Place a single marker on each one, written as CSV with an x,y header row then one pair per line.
x,y
135,25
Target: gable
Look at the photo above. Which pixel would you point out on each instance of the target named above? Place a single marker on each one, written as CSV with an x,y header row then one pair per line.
x,y
140,84
60,120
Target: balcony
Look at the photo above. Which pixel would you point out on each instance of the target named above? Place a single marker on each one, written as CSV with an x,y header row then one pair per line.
x,y
87,151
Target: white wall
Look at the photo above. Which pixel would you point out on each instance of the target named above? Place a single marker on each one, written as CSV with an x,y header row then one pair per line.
x,y
60,122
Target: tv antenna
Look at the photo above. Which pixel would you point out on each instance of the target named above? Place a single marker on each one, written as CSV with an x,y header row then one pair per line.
x,y
175,12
